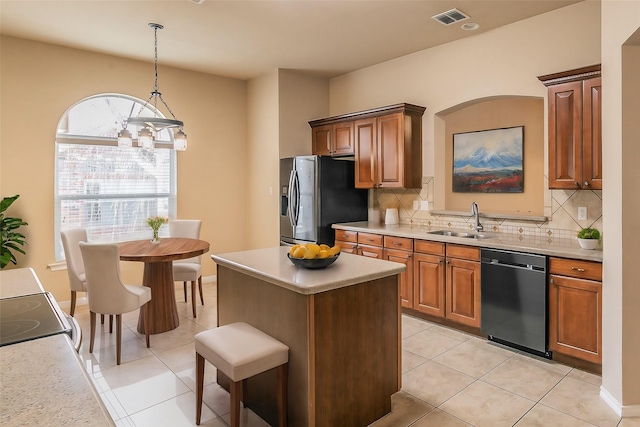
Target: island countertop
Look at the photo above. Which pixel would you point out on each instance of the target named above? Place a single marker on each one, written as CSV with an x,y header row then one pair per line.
x,y
273,266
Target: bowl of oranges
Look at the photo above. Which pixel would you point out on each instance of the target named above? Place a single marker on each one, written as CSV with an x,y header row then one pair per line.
x,y
311,255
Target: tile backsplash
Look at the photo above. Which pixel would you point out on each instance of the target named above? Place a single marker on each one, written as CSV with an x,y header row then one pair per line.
x,y
561,210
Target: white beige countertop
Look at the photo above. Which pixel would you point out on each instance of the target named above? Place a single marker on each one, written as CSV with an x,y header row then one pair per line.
x,y
19,281
564,248
273,266
44,383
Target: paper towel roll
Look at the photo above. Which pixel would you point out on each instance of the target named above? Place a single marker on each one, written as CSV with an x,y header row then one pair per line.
x,y
391,216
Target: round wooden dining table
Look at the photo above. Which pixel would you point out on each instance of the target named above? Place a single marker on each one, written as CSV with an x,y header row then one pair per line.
x,y
158,275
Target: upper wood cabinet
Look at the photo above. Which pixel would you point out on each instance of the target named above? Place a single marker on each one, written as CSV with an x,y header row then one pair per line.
x,y
332,139
575,132
386,142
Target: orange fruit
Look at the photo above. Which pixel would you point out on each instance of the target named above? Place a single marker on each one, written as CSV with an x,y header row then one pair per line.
x,y
335,250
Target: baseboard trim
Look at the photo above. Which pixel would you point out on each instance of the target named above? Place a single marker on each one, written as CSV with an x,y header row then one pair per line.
x,y
628,411
66,305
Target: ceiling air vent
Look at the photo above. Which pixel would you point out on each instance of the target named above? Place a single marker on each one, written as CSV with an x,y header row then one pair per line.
x,y
450,16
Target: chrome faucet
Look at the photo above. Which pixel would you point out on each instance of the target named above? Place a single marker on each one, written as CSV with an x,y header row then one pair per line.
x,y
475,211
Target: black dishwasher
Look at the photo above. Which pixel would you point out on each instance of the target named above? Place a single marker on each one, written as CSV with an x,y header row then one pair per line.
x,y
514,300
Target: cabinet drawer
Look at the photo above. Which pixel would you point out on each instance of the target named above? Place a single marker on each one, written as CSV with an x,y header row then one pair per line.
x,y
347,247
428,247
370,251
576,268
470,253
347,236
370,239
402,243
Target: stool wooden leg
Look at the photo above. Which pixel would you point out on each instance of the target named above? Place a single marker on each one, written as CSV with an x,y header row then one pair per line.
x,y
236,397
282,373
199,386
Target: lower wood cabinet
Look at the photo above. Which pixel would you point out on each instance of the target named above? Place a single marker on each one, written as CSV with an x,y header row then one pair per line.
x,y
429,277
447,281
463,292
400,249
575,308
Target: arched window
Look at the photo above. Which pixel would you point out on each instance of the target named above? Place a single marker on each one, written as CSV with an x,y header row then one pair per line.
x,y
108,190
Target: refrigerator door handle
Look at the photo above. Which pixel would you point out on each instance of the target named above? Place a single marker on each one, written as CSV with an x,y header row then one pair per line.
x,y
290,196
296,199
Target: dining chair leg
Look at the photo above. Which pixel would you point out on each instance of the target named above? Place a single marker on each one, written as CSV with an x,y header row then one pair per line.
x,y
118,337
92,318
200,288
102,319
199,386
73,303
184,285
111,323
193,297
147,321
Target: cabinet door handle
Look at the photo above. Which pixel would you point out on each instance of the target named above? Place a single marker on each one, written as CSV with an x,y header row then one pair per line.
x,y
577,184
551,281
581,270
397,243
586,183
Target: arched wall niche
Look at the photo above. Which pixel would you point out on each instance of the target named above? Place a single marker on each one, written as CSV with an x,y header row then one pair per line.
x,y
492,113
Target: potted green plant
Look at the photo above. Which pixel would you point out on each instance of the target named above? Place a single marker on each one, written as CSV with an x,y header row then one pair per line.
x,y
12,240
589,238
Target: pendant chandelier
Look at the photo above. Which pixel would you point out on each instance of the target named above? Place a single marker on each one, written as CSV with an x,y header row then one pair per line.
x,y
154,124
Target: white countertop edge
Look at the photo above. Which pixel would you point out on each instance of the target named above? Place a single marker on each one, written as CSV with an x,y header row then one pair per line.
x,y
564,248
346,271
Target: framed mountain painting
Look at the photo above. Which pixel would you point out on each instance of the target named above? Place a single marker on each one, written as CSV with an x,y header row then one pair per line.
x,y
489,161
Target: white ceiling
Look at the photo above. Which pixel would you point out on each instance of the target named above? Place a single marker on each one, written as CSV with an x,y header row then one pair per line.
x,y
244,39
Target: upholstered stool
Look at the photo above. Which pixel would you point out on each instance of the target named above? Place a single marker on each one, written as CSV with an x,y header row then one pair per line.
x,y
241,351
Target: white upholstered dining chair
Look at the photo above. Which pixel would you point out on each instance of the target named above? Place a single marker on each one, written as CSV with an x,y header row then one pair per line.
x,y
106,292
190,269
75,267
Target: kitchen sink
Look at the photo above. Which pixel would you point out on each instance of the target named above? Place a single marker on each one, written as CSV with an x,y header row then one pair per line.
x,y
462,234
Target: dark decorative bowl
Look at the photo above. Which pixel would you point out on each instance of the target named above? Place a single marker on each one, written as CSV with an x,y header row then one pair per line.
x,y
313,263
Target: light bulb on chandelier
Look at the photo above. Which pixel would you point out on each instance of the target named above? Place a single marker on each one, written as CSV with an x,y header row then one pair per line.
x,y
154,123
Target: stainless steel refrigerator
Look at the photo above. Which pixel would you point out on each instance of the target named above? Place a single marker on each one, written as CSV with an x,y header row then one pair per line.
x,y
316,192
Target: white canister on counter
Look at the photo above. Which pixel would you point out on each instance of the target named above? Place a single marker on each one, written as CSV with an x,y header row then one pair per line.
x,y
391,216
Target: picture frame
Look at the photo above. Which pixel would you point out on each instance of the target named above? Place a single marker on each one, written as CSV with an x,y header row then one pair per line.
x,y
489,161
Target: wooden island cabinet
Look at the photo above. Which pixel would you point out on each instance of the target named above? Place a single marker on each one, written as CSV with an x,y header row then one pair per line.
x,y
341,324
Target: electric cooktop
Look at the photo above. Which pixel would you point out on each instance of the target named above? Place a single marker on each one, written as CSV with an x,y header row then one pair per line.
x,y
29,317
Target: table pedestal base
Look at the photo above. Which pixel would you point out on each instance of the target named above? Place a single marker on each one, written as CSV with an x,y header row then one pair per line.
x,y
163,312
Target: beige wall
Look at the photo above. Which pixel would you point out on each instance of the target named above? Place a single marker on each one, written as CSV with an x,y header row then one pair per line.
x,y
262,161
494,114
302,98
39,82
621,203
502,62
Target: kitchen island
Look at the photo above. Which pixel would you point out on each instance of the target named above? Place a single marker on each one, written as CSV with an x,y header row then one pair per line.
x,y
342,326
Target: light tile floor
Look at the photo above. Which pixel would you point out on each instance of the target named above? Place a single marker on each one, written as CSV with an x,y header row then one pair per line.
x,y
449,379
